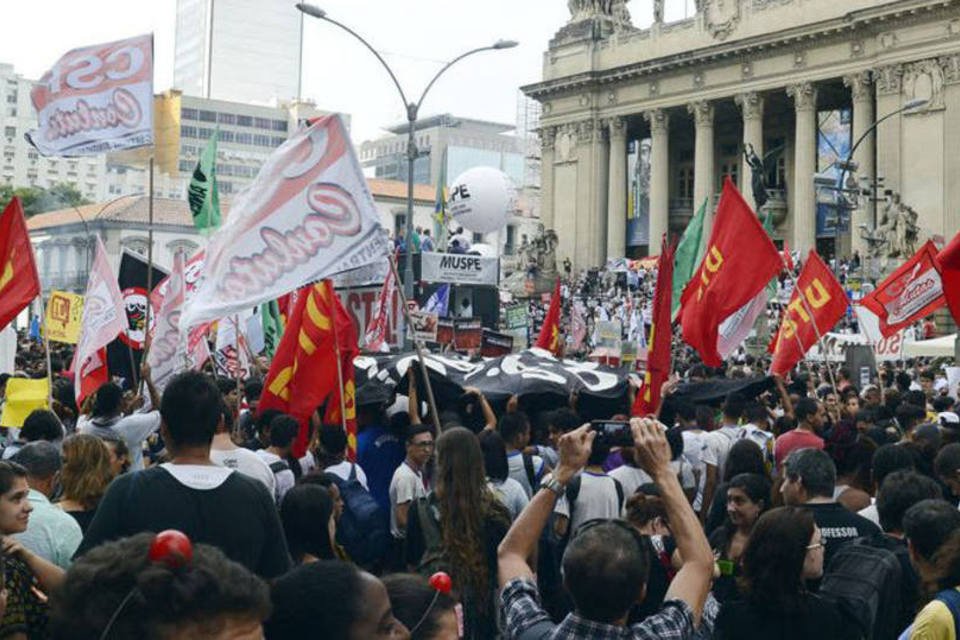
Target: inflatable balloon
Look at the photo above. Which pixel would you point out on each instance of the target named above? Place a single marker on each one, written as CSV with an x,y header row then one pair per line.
x,y
482,199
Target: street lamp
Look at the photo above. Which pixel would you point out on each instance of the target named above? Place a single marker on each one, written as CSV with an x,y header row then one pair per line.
x,y
849,165
412,110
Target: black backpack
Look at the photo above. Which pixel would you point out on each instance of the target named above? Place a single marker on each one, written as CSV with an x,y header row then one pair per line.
x,y
864,581
363,528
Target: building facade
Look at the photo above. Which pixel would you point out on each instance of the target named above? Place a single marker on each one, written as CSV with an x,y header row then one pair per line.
x,y
238,50
660,116
183,125
22,165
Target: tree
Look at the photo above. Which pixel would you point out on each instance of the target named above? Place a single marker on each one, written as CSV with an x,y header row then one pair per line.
x,y
36,200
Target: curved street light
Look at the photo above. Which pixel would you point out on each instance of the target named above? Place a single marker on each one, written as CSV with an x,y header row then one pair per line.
x,y
412,110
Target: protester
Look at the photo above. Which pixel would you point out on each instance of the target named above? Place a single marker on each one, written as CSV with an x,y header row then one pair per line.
x,y
809,480
457,528
360,607
85,476
380,447
283,431
784,549
309,524
225,453
605,567
118,591
886,460
119,453
496,467
717,445
590,495
810,416
333,448
210,504
525,468
427,613
39,425
931,528
408,484
745,457
52,533
747,498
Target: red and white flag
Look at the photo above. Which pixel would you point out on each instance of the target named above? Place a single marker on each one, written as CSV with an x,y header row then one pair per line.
x,y
103,320
308,215
96,99
375,337
166,341
910,293
578,326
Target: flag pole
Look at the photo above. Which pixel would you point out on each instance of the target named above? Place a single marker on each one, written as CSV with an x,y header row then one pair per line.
x,y
146,326
336,348
417,345
813,321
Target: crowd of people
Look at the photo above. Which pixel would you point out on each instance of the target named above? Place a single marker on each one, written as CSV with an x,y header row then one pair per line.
x,y
805,509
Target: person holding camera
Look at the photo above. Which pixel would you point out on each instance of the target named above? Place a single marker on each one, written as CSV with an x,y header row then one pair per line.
x,y
605,565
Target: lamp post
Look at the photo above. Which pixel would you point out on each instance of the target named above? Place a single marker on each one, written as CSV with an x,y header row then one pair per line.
x,y
412,110
848,164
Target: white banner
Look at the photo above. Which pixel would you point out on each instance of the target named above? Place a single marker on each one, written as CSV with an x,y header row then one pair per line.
x,y
459,268
307,216
103,317
166,341
96,99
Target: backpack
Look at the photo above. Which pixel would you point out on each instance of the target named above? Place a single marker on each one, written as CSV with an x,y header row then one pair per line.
x,y
864,581
275,468
363,529
951,598
434,558
573,492
531,473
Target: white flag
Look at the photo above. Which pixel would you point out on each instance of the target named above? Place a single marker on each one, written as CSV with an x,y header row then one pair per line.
x,y
166,342
103,317
737,327
96,99
307,216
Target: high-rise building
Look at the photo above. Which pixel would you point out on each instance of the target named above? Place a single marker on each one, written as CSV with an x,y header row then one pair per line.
x,y
21,165
238,50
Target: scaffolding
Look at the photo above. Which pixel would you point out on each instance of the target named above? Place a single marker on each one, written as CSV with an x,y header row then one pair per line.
x,y
528,134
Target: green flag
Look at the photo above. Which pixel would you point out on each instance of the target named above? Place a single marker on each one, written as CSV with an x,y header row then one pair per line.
x,y
203,196
272,326
687,256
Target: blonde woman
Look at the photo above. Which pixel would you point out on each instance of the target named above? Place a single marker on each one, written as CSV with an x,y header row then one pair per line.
x,y
86,473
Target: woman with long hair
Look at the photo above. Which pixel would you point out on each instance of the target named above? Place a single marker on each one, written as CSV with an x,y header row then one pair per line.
x,y
458,528
747,498
784,551
85,476
307,514
745,457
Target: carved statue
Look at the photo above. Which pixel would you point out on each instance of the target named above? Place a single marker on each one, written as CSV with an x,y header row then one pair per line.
x,y
615,10
897,234
658,11
758,176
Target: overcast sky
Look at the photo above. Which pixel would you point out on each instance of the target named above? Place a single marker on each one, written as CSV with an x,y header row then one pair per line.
x,y
415,36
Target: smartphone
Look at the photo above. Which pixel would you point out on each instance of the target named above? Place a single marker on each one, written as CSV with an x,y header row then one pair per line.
x,y
612,433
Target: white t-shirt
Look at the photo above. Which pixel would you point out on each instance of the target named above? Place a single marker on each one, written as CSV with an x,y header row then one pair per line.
x,y
342,471
405,486
598,498
871,513
511,494
246,462
764,439
631,478
693,443
716,447
518,471
285,478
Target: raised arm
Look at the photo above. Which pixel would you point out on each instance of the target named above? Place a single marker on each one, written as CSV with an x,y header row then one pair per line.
x,y
413,403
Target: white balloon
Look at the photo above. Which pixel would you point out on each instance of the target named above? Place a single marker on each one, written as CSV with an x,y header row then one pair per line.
x,y
482,199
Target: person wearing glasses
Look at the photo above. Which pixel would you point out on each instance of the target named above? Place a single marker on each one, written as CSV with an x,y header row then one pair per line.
x,y
606,563
784,550
408,484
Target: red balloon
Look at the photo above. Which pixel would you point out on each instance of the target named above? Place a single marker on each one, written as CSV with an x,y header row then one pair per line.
x,y
172,548
441,582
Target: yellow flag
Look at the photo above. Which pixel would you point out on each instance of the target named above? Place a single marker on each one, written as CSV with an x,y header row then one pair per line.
x,y
23,396
64,313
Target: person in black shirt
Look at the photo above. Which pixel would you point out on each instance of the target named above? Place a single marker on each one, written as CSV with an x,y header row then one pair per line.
x,y
210,504
809,479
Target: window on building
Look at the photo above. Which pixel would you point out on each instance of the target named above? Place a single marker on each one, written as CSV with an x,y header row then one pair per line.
x,y
188,114
399,224
12,98
730,169
279,125
244,138
262,123
10,132
226,118
477,237
227,136
225,187
203,133
245,121
186,166
277,141
188,131
261,140
12,112
685,183
32,155
509,245
208,116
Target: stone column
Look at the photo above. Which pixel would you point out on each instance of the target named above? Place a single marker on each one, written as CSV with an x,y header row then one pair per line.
x,y
751,105
617,189
659,176
861,91
548,137
804,211
704,172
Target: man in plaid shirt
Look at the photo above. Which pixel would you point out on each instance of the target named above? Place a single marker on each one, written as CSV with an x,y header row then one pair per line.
x,y
605,567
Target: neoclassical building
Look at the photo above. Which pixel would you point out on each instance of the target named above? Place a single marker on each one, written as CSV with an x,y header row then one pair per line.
x,y
799,80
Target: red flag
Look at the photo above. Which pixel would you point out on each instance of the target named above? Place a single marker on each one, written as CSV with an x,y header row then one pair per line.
x,y
825,299
661,337
913,291
549,337
787,257
375,336
949,261
740,260
19,282
303,375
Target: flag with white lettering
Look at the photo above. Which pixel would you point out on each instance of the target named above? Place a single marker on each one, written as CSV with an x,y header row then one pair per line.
x,y
910,293
104,318
823,304
166,342
96,99
307,215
